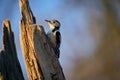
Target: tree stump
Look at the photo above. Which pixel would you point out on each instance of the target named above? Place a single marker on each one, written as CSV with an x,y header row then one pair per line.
x,y
39,57
9,65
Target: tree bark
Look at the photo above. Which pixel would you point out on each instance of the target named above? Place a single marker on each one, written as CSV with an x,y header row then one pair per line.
x,y
9,65
39,57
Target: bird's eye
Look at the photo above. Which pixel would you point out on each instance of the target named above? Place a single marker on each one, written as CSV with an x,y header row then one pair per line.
x,y
53,21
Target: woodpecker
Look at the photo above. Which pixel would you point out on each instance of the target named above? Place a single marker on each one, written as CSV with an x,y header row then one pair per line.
x,y
54,35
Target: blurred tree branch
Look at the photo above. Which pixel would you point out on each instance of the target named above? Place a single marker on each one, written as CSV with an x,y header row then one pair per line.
x,y
104,63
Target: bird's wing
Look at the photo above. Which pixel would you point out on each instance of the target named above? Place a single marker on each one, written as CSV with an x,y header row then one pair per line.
x,y
58,38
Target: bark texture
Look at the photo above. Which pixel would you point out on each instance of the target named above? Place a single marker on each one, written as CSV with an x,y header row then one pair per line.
x,y
39,57
9,65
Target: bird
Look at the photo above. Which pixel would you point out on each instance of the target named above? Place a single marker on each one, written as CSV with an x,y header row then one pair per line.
x,y
54,35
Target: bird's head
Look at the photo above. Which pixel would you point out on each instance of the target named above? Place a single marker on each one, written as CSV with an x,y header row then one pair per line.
x,y
54,24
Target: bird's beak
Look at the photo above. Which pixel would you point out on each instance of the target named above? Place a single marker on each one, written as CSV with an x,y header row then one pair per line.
x,y
47,20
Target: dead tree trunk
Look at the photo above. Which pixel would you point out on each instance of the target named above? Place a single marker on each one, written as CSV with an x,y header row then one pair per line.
x,y
9,65
39,57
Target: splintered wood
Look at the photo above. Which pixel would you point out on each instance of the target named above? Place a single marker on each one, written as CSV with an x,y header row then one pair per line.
x,y
39,57
9,65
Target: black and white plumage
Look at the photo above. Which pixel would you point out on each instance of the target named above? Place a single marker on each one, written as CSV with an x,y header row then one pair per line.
x,y
54,35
